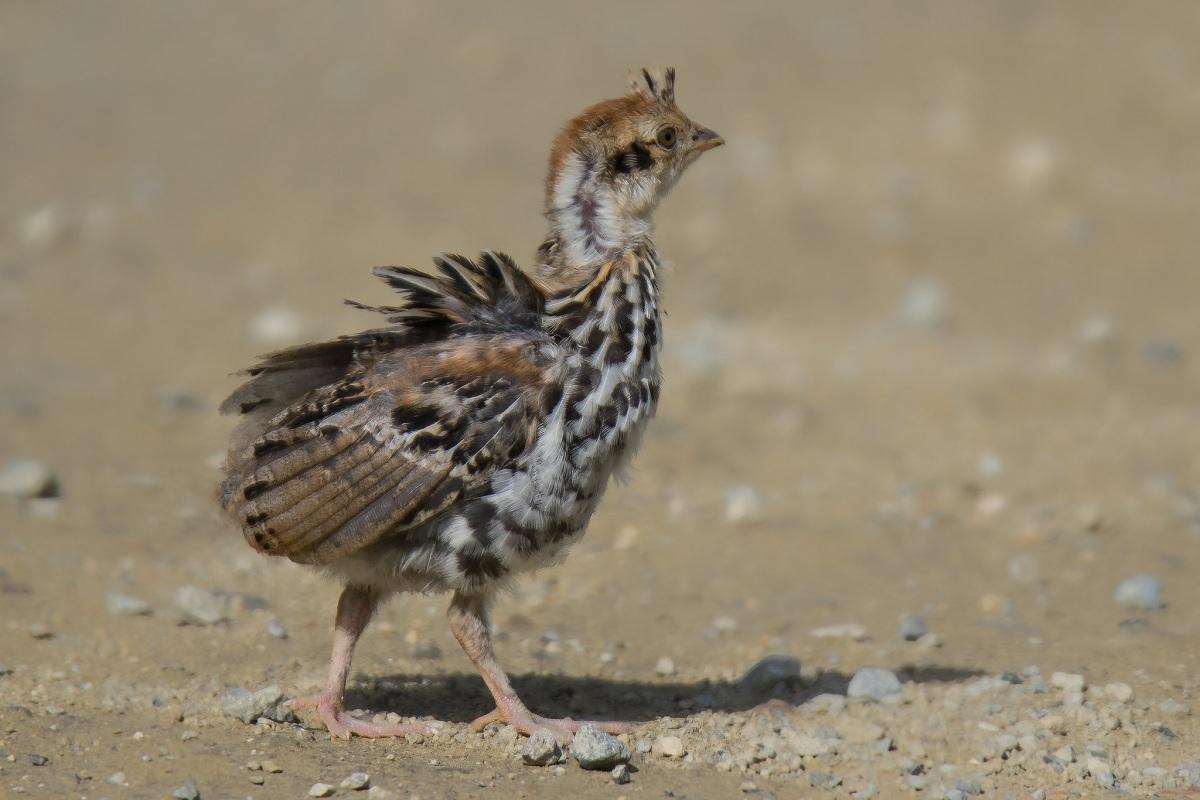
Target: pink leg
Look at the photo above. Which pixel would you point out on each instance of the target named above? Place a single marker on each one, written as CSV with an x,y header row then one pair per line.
x,y
468,621
355,608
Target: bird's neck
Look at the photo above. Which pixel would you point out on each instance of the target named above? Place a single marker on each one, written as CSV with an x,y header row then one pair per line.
x,y
590,224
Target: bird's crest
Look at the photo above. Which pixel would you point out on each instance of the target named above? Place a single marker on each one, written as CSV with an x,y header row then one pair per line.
x,y
655,84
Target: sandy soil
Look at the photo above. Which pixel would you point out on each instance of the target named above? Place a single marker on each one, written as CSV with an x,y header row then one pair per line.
x,y
934,303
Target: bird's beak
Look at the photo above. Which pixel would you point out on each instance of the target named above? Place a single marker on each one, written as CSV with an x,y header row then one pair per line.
x,y
705,139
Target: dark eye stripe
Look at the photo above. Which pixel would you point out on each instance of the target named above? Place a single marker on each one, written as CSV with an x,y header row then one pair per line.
x,y
637,157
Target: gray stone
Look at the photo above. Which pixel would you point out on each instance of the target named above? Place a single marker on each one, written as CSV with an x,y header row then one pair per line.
x,y
356,781
874,683
187,791
1174,708
968,786
27,479
321,790
912,627
276,630
770,671
1140,591
5,670
267,702
542,749
125,606
595,749
38,760
620,774
200,606
824,779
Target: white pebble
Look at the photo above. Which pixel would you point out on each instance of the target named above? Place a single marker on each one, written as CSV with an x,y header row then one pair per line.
x,y
923,303
27,478
875,683
44,228
743,505
665,666
845,630
1121,692
275,325
356,781
1140,591
668,747
321,790
1067,681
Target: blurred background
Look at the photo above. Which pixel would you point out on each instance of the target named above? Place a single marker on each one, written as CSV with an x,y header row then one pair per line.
x,y
931,346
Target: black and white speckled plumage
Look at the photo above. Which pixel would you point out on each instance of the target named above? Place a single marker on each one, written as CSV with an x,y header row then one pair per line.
x,y
462,445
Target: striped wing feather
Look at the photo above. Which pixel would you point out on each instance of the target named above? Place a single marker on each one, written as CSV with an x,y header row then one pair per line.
x,y
346,442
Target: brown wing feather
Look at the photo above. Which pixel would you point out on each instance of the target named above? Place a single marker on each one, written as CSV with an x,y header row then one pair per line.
x,y
400,438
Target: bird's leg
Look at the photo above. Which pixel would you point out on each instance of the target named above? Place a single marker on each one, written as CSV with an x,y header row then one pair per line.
x,y
468,621
354,610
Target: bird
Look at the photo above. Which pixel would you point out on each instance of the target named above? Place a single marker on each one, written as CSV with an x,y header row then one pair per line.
x,y
470,436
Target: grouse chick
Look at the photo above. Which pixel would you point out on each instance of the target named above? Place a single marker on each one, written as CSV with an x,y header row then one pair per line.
x,y
471,437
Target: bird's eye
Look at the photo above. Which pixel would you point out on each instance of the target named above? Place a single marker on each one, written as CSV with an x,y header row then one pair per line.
x,y
666,138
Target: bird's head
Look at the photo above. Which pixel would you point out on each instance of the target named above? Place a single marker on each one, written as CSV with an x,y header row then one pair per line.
x,y
614,162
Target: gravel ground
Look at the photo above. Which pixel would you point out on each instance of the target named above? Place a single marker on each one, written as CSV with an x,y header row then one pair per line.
x,y
920,517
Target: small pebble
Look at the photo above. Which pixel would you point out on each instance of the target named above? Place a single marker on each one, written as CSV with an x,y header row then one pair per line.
x,y
187,791
268,702
123,605
620,774
748,787
43,229
594,749
845,630
1174,708
258,779
1065,755
1140,591
38,630
743,505
1121,692
356,781
912,627
668,747
276,325
276,630
38,760
874,682
272,767
923,303
770,671
117,779
665,666
1067,681
320,790
541,749
200,606
379,793
26,478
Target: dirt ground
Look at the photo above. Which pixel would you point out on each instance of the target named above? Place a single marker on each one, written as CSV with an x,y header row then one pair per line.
x,y
931,350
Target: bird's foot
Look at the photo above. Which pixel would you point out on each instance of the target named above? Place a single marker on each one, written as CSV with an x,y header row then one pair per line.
x,y
339,723
526,722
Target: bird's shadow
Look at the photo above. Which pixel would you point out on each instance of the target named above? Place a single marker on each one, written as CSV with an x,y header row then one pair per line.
x,y
462,697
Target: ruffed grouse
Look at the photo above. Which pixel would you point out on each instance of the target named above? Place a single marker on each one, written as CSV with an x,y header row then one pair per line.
x,y
471,438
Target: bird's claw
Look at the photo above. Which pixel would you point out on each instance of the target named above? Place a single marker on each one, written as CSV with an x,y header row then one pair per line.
x,y
342,725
